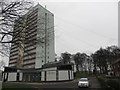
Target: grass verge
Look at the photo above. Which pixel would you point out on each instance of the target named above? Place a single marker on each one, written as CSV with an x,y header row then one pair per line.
x,y
109,84
17,86
83,74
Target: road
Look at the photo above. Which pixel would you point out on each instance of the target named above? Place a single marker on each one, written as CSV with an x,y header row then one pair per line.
x,y
72,85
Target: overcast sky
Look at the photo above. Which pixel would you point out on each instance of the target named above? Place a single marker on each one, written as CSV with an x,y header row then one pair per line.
x,y
83,25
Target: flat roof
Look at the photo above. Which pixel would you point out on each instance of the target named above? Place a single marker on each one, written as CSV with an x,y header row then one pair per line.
x,y
47,65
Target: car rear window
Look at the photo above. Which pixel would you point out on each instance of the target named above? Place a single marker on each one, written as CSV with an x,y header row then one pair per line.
x,y
83,79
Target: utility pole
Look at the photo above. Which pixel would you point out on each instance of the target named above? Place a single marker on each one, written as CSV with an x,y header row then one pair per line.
x,y
45,39
45,35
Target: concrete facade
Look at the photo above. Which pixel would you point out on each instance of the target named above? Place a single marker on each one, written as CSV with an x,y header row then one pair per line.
x,y
1,79
119,24
12,76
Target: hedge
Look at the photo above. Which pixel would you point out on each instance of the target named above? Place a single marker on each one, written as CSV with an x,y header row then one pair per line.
x,y
109,84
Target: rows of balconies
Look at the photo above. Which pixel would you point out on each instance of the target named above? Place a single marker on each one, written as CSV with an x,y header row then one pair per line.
x,y
31,39
27,59
29,28
12,65
13,58
29,66
13,62
32,35
14,51
27,54
32,17
32,13
32,63
31,22
31,31
14,54
29,49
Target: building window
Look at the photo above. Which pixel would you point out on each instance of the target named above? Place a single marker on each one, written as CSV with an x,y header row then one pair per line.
x,y
18,75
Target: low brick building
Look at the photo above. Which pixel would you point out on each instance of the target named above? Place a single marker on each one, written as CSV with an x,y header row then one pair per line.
x,y
55,71
116,67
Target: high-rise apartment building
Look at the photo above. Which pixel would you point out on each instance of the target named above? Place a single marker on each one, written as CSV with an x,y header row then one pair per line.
x,y
34,39
32,55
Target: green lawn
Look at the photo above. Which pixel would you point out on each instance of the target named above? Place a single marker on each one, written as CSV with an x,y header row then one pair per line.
x,y
81,75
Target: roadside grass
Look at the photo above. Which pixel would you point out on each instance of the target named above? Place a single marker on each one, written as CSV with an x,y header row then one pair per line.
x,y
110,83
102,82
17,86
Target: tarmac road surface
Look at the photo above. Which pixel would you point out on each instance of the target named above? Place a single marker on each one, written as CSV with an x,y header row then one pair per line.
x,y
94,85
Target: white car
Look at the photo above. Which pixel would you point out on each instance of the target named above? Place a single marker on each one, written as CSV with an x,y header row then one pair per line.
x,y
83,82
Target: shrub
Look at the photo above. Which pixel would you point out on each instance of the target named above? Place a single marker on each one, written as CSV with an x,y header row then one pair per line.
x,y
114,84
109,84
102,82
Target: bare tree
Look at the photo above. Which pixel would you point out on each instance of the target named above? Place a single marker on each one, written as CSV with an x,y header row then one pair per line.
x,y
2,64
11,12
65,57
